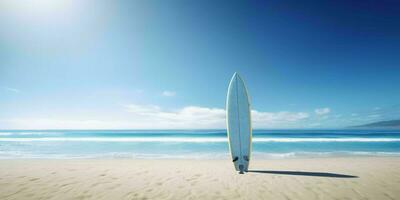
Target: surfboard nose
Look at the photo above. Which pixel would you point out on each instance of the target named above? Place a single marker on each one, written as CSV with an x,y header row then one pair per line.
x,y
235,77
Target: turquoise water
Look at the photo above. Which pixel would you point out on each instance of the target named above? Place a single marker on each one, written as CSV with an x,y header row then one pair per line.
x,y
194,144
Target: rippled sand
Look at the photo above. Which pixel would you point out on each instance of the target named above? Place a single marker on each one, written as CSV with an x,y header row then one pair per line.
x,y
322,178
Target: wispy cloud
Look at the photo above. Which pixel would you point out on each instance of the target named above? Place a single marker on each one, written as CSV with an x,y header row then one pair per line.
x,y
9,89
143,109
322,111
61,123
374,114
139,91
139,116
168,93
269,119
204,117
147,116
187,117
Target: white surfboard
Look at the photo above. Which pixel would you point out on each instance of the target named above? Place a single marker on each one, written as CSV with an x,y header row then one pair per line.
x,y
239,123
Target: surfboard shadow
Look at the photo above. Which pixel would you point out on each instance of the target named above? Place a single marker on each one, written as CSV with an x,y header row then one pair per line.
x,y
302,173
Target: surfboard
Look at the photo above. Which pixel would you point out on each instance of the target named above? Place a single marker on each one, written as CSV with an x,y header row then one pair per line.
x,y
239,123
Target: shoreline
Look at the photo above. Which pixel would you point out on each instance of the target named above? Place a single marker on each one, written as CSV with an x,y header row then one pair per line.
x,y
299,178
258,157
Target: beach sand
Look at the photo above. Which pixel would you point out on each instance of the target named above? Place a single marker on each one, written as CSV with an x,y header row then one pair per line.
x,y
314,178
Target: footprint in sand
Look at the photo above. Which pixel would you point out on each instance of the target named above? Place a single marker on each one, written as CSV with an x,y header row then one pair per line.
x,y
84,196
193,183
134,194
113,187
95,184
63,185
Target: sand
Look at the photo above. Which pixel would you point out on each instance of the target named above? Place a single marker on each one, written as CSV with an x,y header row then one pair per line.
x,y
317,178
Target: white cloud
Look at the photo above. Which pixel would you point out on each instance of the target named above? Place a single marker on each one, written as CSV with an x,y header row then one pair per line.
x,y
14,90
139,91
187,117
269,119
322,111
136,116
203,117
374,115
314,124
142,109
51,123
168,93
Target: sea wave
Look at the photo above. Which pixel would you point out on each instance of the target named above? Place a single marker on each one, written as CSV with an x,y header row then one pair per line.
x,y
191,139
198,156
29,133
310,154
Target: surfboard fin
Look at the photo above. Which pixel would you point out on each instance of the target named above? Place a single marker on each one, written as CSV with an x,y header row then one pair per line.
x,y
246,158
235,159
241,169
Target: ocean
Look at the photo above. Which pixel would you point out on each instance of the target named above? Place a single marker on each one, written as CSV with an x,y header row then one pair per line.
x,y
193,144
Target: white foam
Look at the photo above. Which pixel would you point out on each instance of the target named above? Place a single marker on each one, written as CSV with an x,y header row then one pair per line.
x,y
191,139
326,140
303,154
119,139
28,133
199,156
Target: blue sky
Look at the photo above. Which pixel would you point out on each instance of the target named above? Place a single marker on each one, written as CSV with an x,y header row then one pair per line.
x,y
167,64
